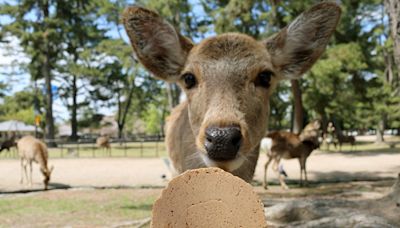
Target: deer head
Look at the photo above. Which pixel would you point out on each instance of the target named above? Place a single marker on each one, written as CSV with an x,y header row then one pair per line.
x,y
46,173
229,78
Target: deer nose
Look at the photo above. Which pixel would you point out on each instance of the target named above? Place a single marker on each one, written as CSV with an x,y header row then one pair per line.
x,y
223,143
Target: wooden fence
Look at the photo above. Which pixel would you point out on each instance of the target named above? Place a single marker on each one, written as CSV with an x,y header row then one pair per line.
x,y
89,149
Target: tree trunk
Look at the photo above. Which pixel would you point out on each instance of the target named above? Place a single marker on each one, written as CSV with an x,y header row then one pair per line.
x,y
298,109
124,113
380,130
393,10
173,94
338,127
46,71
74,121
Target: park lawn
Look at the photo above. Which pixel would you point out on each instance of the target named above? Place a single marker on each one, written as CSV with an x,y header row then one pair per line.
x,y
88,208
132,149
367,147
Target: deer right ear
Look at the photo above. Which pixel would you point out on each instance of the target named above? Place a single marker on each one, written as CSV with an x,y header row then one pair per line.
x,y
296,48
159,47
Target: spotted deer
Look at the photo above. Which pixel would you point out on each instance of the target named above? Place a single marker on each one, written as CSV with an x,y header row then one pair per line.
x,y
287,145
228,80
31,150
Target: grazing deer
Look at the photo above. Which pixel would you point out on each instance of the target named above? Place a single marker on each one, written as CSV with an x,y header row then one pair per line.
x,y
228,80
31,150
345,139
104,142
6,145
288,145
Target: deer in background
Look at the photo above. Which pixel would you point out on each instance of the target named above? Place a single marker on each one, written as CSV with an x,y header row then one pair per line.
x,y
31,150
345,139
228,80
288,145
104,142
7,144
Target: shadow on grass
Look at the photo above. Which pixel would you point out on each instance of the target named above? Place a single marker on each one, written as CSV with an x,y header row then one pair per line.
x,y
60,186
142,207
52,186
366,152
322,178
340,177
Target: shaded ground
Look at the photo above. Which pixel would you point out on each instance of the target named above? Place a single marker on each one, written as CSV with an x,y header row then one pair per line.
x,y
351,204
88,207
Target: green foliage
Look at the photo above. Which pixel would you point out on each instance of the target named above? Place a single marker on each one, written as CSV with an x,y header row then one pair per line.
x,y
153,118
19,106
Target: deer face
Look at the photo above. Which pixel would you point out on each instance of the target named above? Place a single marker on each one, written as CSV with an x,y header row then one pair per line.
x,y
46,173
228,78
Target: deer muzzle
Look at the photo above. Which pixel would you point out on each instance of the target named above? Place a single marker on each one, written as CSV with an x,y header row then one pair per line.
x,y
223,143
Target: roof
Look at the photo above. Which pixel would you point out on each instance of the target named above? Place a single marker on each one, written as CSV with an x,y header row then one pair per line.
x,y
13,125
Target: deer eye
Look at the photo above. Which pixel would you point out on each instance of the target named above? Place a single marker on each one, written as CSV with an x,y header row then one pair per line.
x,y
190,80
264,79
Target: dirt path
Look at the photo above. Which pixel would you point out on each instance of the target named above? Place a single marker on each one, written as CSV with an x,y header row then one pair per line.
x,y
100,172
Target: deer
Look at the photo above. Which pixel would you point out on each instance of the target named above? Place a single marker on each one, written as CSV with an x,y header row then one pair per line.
x,y
227,79
287,145
31,150
104,142
345,139
7,144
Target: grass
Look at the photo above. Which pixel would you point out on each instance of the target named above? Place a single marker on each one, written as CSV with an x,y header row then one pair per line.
x,y
132,149
363,147
77,208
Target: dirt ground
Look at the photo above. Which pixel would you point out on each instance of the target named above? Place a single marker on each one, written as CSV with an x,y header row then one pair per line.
x,y
103,172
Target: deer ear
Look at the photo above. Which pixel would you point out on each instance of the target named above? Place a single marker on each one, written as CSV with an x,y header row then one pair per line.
x,y
298,46
159,47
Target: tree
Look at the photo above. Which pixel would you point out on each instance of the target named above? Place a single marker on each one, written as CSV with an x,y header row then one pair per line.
x,y
392,8
80,34
19,106
36,24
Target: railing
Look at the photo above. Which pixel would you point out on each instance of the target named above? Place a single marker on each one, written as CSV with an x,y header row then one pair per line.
x,y
87,148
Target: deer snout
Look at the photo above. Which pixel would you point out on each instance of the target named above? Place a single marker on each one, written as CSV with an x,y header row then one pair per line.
x,y
223,143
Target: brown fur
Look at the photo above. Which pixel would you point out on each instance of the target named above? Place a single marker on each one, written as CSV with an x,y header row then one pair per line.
x,y
226,68
31,150
288,145
104,142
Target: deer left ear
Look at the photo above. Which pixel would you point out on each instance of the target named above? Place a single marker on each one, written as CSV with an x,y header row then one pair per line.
x,y
159,47
298,46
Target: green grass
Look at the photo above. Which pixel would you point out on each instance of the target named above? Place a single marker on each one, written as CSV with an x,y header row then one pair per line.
x,y
363,147
76,208
133,149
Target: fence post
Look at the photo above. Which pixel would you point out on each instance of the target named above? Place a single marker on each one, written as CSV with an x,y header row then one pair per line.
x,y
62,150
141,148
124,147
157,155
77,148
93,153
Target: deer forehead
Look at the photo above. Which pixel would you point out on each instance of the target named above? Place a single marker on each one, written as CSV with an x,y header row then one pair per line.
x,y
230,55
